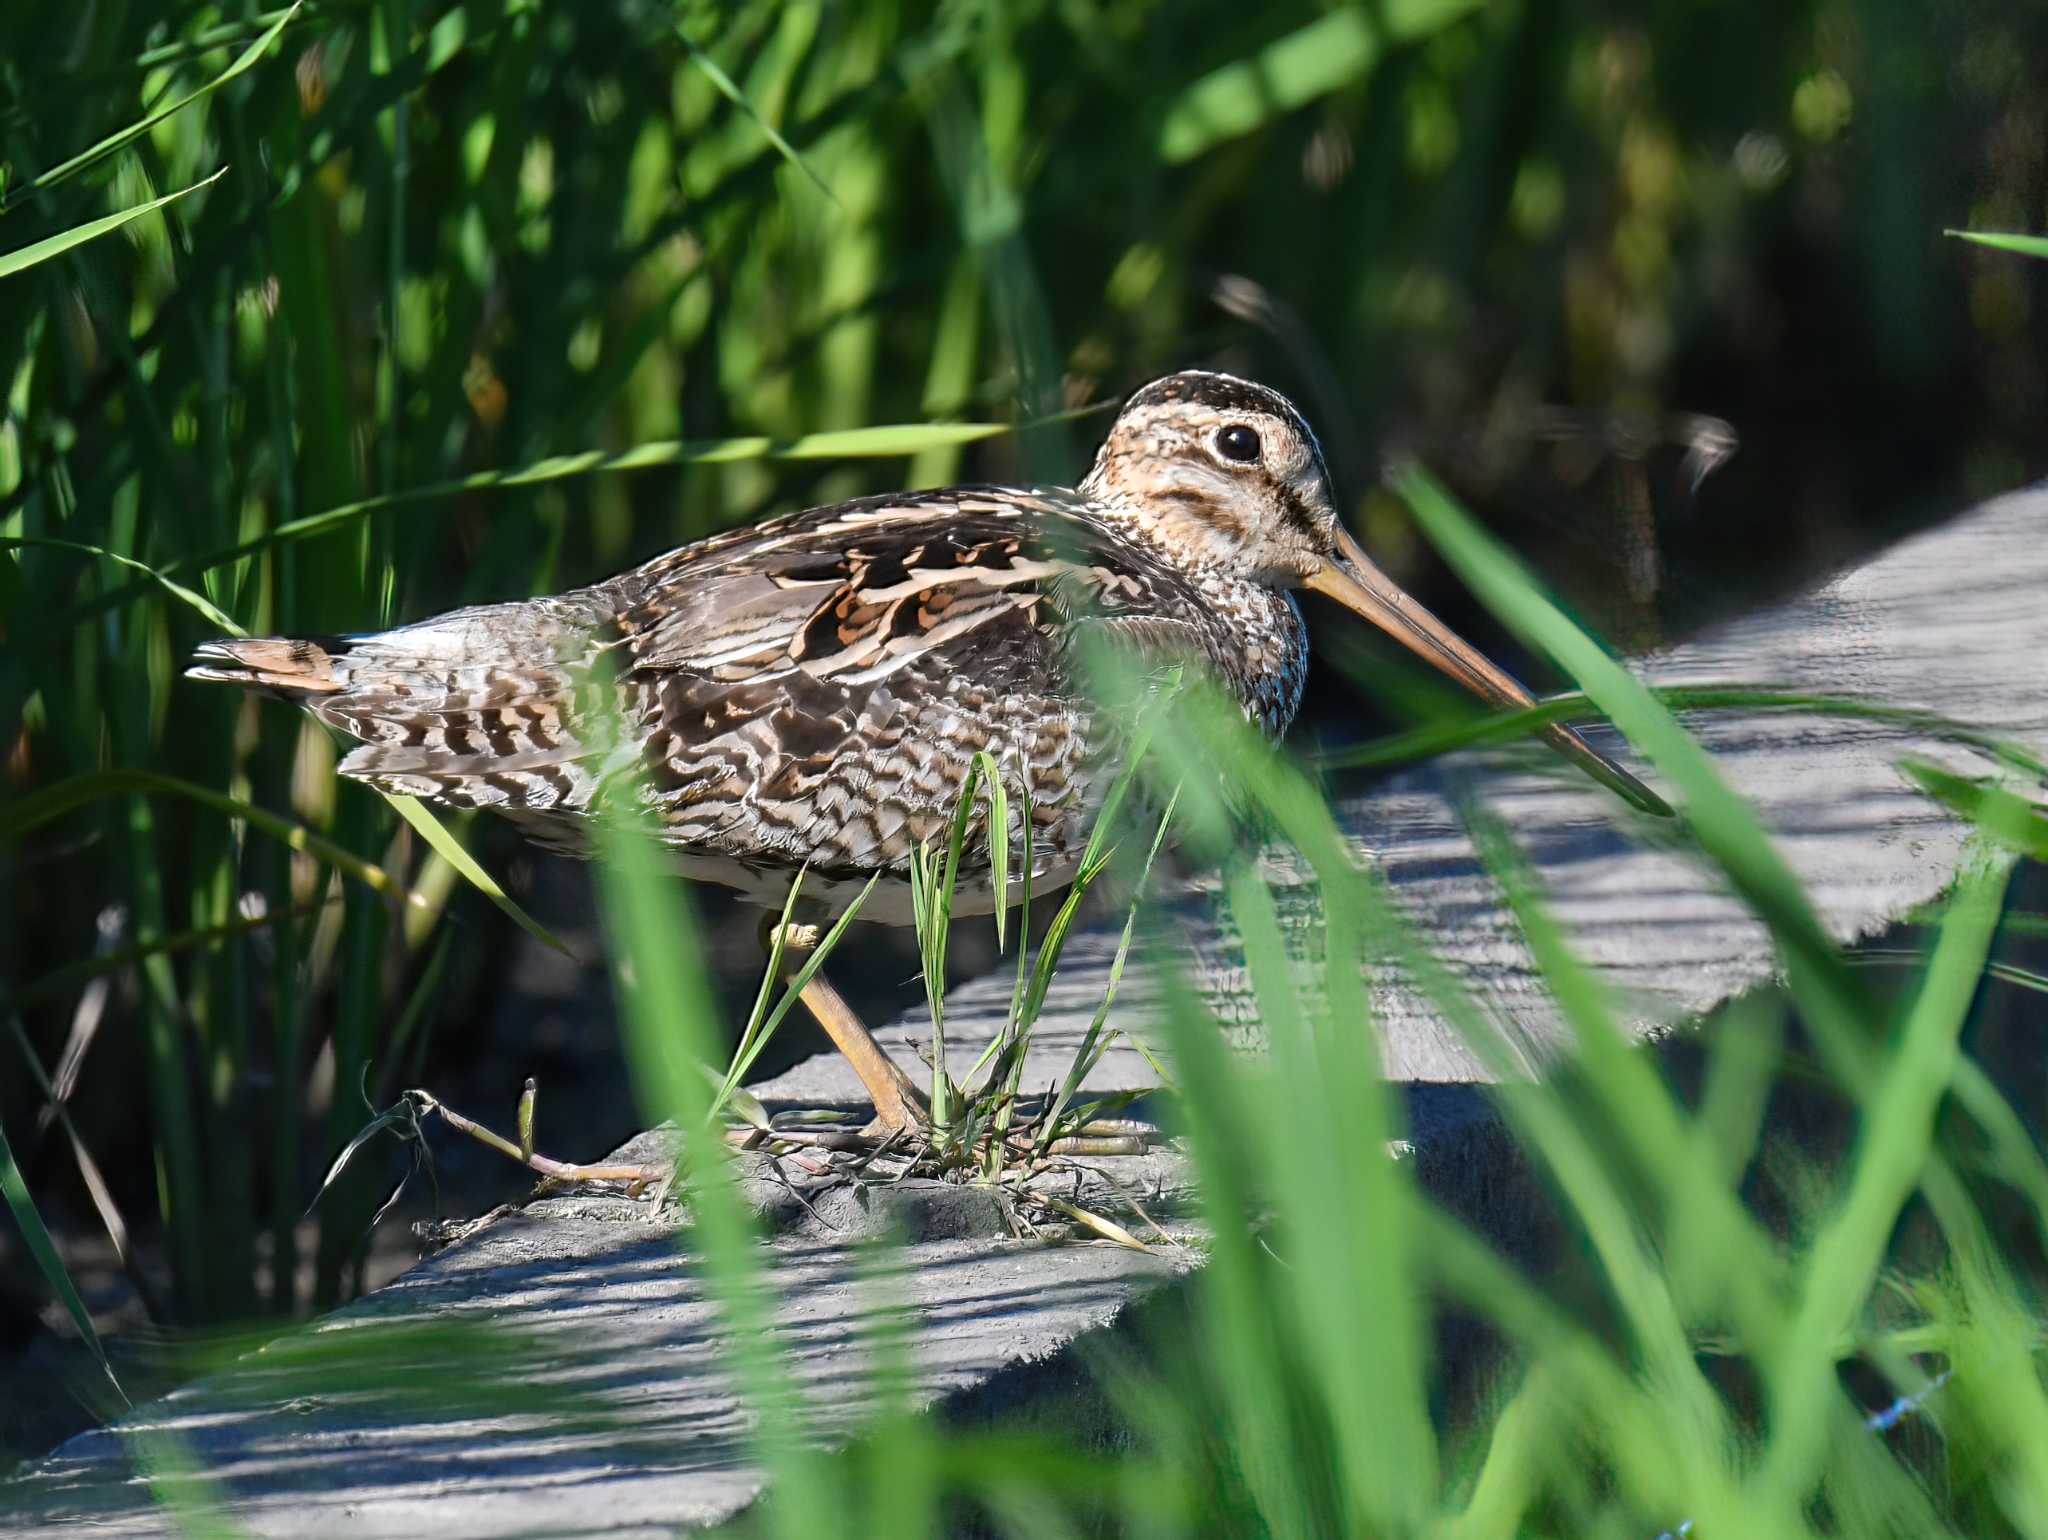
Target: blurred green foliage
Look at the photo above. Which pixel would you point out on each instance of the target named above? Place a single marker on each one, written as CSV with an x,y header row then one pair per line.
x,y
432,242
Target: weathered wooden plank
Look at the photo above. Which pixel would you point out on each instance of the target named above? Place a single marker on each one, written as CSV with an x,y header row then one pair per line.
x,y
605,1406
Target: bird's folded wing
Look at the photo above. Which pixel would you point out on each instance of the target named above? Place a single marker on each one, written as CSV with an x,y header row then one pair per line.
x,y
985,580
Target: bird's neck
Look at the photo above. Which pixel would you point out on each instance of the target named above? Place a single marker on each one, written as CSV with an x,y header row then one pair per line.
x,y
1273,643
1258,641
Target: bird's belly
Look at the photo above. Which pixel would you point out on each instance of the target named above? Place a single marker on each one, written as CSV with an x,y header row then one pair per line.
x,y
857,780
854,821
888,904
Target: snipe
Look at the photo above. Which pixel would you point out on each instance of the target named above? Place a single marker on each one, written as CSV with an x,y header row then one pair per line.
x,y
808,694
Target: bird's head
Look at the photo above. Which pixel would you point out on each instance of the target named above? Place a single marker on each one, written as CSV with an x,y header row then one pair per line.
x,y
1222,476
1218,473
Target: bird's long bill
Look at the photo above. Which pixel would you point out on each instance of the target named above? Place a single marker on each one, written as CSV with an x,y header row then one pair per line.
x,y
1362,588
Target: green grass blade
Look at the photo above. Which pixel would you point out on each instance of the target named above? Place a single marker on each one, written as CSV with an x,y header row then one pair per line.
x,y
1238,1321
206,39
1050,948
1714,1250
1096,854
939,895
1724,824
134,131
33,811
1088,1053
1472,730
198,602
1600,1202
2025,245
998,840
2011,820
183,1487
886,442
1024,823
732,93
40,1247
1894,1144
1323,56
1292,71
456,854
672,1039
956,845
771,975
1352,1320
13,262
751,1048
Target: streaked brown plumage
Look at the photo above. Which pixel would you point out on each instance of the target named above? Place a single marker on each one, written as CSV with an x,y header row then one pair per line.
x,y
809,693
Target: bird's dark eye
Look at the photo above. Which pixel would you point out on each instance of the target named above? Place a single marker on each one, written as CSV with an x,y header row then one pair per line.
x,y
1237,442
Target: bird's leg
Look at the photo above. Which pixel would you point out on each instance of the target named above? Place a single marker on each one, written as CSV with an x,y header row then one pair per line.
x,y
898,1106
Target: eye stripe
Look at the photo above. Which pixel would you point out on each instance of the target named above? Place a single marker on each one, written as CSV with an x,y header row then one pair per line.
x,y
1295,509
1211,510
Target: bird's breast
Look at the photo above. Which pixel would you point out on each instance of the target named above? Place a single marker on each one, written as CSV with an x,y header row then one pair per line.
x,y
1261,648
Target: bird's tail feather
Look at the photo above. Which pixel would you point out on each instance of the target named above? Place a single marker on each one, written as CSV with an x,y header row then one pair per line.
x,y
294,667
457,731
